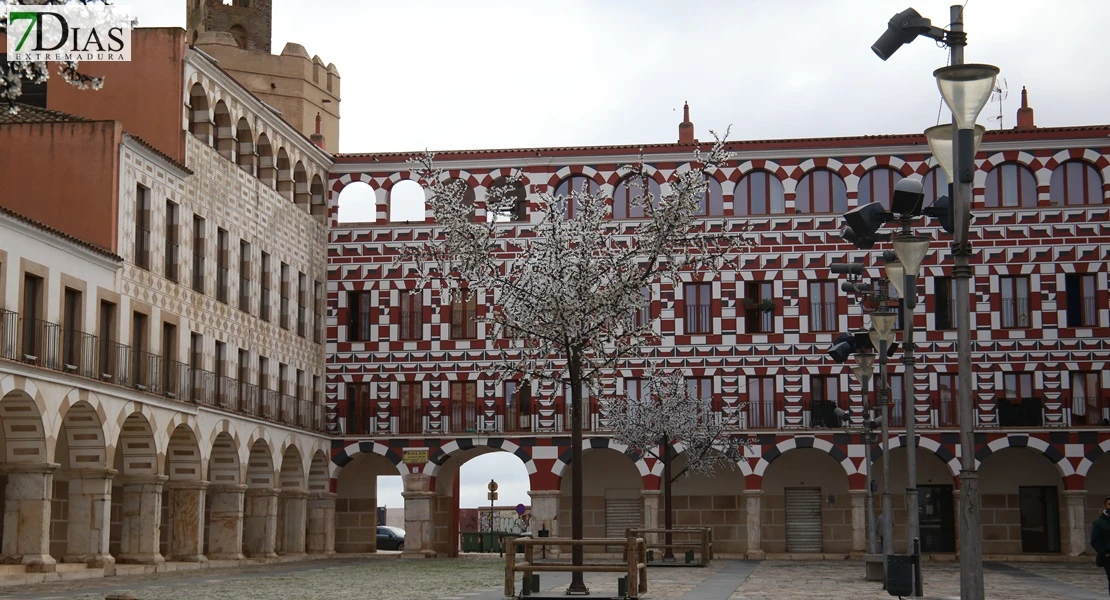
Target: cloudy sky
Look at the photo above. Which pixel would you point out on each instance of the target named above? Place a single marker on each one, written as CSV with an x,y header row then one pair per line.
x,y
494,74
444,74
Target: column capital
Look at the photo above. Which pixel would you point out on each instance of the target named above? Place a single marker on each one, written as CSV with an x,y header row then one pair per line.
x,y
650,493
93,473
544,493
44,468
418,495
857,493
295,494
752,493
322,496
188,484
252,491
143,480
1075,493
226,488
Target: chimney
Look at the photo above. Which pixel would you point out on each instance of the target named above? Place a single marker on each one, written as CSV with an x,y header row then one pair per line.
x,y
686,128
318,138
1025,114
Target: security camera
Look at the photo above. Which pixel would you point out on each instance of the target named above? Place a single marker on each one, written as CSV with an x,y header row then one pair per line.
x,y
908,194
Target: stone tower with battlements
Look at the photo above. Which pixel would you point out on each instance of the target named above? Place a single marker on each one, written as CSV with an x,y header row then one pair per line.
x,y
296,84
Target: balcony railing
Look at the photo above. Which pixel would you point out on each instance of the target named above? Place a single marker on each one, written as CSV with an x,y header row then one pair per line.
x,y
40,342
820,414
147,372
410,420
318,416
227,393
589,416
204,387
947,411
270,400
9,328
288,409
463,418
304,413
515,417
1086,410
758,321
115,363
464,323
177,380
1020,412
822,316
250,401
79,353
762,414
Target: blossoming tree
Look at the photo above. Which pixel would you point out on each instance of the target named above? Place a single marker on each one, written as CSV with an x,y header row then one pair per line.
x,y
570,283
667,417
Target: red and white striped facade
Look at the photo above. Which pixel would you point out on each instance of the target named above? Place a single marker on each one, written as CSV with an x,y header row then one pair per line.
x,y
1047,240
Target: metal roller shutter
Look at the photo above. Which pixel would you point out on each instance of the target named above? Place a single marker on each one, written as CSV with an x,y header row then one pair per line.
x,y
803,520
622,514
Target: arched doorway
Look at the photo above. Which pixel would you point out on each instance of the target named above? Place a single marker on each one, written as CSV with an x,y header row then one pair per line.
x,y
28,476
81,503
224,509
715,501
291,504
183,498
320,537
612,498
805,505
357,501
1021,503
260,506
935,498
463,515
137,494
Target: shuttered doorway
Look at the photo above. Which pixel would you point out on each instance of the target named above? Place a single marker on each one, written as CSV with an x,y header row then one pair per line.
x,y
622,514
803,520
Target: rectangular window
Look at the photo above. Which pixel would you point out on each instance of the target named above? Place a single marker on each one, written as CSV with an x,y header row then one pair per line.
x,y
568,404
410,417
244,366
1018,407
699,315
822,306
702,389
1015,302
947,411
72,338
760,298
283,378
464,395
171,261
244,276
298,391
897,404
946,303
267,283
412,315
318,312
1082,309
302,305
358,316
198,254
221,360
263,373
642,317
1086,398
824,394
169,359
107,332
518,406
140,366
464,316
762,411
196,363
33,326
360,408
221,264
283,315
142,227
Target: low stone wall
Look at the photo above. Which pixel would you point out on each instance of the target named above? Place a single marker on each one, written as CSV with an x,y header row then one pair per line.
x,y
356,521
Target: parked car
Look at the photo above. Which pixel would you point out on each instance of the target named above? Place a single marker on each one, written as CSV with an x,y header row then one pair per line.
x,y
391,538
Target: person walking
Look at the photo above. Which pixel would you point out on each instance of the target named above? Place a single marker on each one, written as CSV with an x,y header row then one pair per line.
x,y
1100,538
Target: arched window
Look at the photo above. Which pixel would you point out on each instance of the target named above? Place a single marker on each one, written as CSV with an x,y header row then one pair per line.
x,y
284,175
356,203
877,185
514,204
1075,182
300,186
267,170
712,202
200,121
467,194
406,202
573,186
225,135
821,191
759,193
240,36
316,193
1011,184
935,183
629,198
244,146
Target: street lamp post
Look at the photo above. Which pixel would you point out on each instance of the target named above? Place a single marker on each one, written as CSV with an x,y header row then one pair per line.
x,y
883,323
863,370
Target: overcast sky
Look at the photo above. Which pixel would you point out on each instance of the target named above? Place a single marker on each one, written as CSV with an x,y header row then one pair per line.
x,y
477,74
445,74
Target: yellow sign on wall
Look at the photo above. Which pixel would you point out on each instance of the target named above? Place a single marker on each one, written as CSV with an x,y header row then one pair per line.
x,y
417,456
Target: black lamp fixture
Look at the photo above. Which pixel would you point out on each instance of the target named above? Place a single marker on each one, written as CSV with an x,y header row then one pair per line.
x,y
863,225
902,29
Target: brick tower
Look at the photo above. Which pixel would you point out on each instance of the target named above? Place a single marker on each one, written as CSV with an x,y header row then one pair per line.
x,y
248,21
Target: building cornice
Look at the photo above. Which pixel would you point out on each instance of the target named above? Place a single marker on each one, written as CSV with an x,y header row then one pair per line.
x,y
62,241
140,146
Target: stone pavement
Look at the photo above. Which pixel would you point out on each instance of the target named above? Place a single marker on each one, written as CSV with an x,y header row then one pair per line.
x,y
478,578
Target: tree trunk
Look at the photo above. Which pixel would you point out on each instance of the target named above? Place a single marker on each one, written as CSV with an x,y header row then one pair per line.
x,y
668,514
577,585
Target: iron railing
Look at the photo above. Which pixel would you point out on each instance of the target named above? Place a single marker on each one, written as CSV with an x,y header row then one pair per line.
x,y
204,387
227,393
412,326
410,419
79,353
464,418
270,400
516,417
947,411
1085,410
9,328
464,323
177,381
115,362
40,342
250,401
288,409
821,414
147,372
762,414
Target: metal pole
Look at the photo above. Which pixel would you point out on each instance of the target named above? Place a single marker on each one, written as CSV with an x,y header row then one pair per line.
x,y
888,505
971,534
869,503
908,412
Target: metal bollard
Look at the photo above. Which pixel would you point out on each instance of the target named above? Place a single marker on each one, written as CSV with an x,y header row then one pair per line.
x,y
622,586
535,582
689,557
650,555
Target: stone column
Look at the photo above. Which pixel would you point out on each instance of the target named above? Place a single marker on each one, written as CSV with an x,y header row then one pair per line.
x,y
753,500
141,518
90,509
294,513
957,513
651,514
859,520
419,524
545,510
27,516
187,520
260,522
1077,524
225,522
321,523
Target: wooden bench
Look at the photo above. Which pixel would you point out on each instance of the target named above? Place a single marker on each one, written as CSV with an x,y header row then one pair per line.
x,y
634,564
704,543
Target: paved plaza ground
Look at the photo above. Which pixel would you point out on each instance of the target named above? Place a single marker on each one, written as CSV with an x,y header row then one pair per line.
x,y
480,577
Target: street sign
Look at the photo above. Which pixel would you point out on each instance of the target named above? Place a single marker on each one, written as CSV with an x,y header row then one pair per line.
x,y
520,509
491,496
492,486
